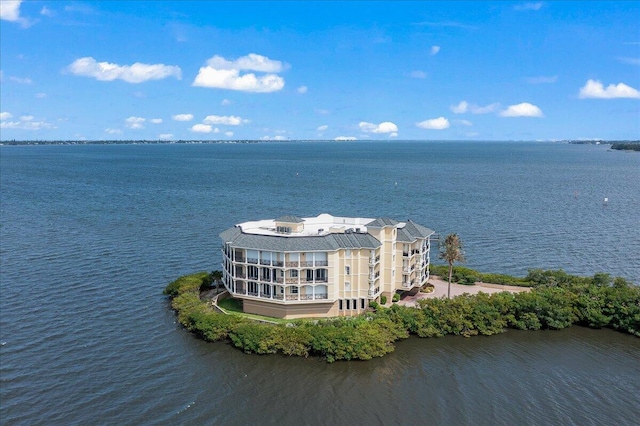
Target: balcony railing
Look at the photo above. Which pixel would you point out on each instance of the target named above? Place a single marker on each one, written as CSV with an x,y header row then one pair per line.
x,y
292,264
306,263
290,280
265,262
240,275
321,263
252,260
278,263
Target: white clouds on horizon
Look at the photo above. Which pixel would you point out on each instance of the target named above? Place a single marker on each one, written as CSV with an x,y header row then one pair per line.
x,y
465,106
384,127
135,122
439,123
524,109
204,128
25,122
220,73
230,120
182,117
594,89
345,138
165,136
136,73
113,131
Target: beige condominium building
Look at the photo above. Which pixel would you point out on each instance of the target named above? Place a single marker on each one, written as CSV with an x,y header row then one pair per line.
x,y
322,266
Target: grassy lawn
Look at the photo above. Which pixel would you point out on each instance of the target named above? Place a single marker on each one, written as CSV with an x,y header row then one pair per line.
x,y
234,307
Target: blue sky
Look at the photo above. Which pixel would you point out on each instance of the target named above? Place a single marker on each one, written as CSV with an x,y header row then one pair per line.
x,y
319,70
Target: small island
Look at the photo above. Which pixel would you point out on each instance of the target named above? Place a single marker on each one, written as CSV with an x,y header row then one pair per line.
x,y
556,300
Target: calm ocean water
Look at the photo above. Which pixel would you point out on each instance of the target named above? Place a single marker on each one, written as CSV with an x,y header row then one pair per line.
x,y
90,235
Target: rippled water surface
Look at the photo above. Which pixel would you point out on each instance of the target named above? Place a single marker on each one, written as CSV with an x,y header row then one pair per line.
x,y
90,235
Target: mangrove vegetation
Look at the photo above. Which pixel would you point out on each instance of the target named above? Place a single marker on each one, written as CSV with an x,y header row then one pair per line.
x,y
556,300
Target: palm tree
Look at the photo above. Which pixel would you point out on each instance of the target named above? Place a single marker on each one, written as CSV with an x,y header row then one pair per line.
x,y
450,252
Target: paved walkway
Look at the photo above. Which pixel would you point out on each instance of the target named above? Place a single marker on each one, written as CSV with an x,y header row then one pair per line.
x,y
440,290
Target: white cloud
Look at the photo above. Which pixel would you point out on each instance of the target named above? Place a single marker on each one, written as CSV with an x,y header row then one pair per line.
x,y
21,80
136,73
223,74
46,11
418,74
202,128
595,89
524,109
10,11
41,95
225,102
228,134
465,106
165,136
529,6
435,50
135,122
393,135
542,79
182,117
463,122
230,120
346,138
156,120
384,127
461,108
113,131
631,61
302,89
322,128
273,138
26,122
323,111
439,123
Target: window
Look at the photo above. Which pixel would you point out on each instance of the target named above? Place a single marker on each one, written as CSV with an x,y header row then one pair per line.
x,y
361,303
293,273
355,304
321,274
347,253
348,304
253,272
309,274
347,270
340,304
347,286
294,290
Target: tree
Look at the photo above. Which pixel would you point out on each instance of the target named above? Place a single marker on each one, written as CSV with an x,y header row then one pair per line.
x,y
450,252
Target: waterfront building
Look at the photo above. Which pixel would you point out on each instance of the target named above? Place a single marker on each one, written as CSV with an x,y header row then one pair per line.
x,y
323,266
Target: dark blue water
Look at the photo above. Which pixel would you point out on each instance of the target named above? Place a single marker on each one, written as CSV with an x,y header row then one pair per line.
x,y
89,236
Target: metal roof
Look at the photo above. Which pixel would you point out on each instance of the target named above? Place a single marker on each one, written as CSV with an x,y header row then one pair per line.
x,y
330,242
382,222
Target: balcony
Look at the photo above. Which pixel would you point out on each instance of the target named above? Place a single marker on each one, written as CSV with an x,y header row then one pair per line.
x,y
374,291
265,262
252,260
322,263
292,264
278,263
306,263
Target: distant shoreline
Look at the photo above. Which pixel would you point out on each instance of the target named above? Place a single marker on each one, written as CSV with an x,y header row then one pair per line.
x,y
620,145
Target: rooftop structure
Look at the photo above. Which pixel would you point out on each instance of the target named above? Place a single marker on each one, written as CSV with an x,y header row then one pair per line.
x,y
293,267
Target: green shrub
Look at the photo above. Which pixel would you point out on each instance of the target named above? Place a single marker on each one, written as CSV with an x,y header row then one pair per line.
x,y
383,300
373,304
185,283
395,298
